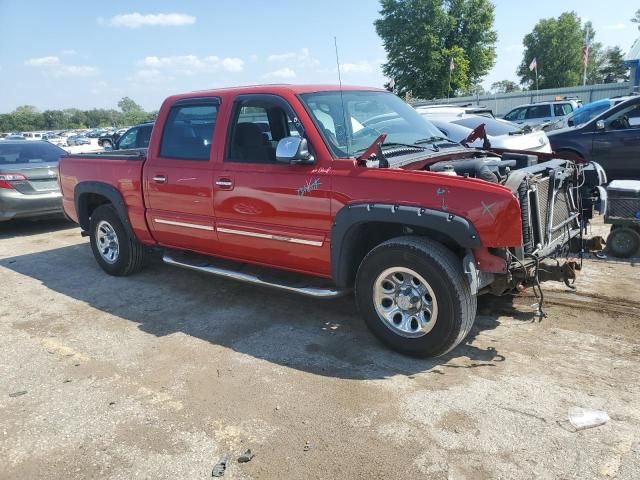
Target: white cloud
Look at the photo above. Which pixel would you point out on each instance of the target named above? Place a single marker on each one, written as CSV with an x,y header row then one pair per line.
x,y
282,73
300,57
53,66
232,64
42,61
137,20
614,26
359,67
192,64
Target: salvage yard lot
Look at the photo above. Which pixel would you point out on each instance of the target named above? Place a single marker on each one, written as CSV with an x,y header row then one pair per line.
x,y
161,374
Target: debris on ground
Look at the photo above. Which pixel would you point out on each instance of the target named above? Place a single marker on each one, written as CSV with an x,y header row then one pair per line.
x,y
246,456
18,394
582,418
220,467
307,446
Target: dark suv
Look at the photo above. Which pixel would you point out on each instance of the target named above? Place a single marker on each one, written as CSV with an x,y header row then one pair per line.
x,y
612,139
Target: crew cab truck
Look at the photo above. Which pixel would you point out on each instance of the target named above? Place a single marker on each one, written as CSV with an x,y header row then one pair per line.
x,y
323,191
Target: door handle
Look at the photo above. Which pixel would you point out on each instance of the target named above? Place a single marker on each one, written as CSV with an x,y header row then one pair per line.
x,y
160,179
224,183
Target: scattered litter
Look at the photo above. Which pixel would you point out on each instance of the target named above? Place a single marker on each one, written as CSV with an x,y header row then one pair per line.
x,y
76,364
277,407
66,380
307,446
582,418
18,394
220,467
112,403
246,456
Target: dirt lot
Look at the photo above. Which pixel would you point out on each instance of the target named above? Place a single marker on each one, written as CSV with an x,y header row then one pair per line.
x,y
161,374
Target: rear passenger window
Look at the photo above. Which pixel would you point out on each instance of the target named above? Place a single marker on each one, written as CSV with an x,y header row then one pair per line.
x,y
188,132
562,109
539,111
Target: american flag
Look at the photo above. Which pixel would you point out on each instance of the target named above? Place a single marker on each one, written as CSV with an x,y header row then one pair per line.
x,y
533,65
451,65
585,55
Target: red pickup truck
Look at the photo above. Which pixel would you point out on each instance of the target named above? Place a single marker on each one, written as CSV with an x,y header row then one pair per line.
x,y
321,191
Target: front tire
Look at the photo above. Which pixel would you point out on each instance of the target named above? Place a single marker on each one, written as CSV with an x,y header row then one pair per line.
x,y
414,296
623,242
114,249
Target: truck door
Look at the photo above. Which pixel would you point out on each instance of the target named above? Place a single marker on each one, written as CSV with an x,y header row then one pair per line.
x,y
270,212
178,182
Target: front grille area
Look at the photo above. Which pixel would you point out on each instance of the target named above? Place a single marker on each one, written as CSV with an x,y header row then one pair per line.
x,y
549,215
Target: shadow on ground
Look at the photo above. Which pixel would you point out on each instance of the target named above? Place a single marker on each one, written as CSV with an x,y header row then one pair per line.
x,y
26,227
325,337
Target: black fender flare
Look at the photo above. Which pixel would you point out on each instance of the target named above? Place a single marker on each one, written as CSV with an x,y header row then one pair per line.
x,y
110,192
458,228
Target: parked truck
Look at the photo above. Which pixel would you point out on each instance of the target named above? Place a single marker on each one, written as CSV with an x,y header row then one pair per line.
x,y
324,191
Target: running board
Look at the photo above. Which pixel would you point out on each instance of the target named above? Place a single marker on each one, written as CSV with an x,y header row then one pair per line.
x,y
254,275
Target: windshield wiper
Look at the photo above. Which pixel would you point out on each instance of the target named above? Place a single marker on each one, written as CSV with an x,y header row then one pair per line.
x,y
434,139
396,144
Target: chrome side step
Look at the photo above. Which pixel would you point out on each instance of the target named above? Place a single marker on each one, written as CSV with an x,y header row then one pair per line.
x,y
250,274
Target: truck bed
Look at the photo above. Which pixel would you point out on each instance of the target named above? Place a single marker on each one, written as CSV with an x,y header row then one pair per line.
x,y
122,171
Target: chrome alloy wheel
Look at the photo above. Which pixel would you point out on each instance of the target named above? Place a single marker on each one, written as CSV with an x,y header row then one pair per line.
x,y
107,242
405,302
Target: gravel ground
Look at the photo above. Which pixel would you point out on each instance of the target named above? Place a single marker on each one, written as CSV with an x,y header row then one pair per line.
x,y
161,374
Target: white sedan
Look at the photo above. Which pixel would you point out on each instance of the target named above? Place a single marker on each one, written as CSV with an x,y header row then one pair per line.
x,y
501,134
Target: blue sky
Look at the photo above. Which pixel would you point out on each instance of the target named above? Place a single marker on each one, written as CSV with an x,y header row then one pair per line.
x,y
90,54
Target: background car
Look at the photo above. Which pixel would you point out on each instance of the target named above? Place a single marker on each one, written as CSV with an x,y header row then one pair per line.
x,y
14,137
456,123
585,113
78,140
612,139
501,134
453,110
535,114
29,179
135,137
55,139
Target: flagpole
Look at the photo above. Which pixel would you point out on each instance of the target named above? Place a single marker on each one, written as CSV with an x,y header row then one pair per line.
x,y
537,85
585,55
449,87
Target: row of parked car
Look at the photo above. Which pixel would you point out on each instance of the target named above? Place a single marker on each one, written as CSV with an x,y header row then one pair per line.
x,y
66,138
606,131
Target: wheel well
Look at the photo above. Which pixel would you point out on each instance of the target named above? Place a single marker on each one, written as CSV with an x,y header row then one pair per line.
x,y
571,154
364,237
87,203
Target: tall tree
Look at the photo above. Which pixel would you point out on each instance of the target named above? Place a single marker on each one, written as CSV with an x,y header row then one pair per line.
x,y
556,44
636,18
614,69
505,86
429,41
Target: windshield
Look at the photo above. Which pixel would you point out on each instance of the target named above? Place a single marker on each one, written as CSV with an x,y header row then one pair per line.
x,y
586,113
493,127
31,152
367,114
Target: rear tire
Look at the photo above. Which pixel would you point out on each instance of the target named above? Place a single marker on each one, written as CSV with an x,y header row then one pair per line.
x,y
114,249
623,242
414,296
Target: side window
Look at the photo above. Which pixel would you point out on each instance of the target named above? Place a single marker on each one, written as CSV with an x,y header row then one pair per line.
x,y
144,133
128,140
257,124
561,109
188,132
539,111
628,117
517,114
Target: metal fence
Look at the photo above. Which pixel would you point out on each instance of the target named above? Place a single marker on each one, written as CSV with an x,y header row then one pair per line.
x,y
501,103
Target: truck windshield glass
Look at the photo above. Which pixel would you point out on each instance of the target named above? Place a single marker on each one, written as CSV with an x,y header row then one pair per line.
x,y
350,131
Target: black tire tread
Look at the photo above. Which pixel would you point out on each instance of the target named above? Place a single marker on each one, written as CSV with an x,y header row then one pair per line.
x,y
453,269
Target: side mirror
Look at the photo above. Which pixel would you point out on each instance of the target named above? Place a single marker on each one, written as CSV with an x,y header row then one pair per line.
x,y
600,125
294,150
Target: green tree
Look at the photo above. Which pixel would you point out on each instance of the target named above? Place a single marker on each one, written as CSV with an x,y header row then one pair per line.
x,y
614,69
133,113
505,86
422,37
54,119
556,44
636,18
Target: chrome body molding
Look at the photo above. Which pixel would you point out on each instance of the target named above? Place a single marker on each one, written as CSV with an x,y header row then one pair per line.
x,y
184,224
268,236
